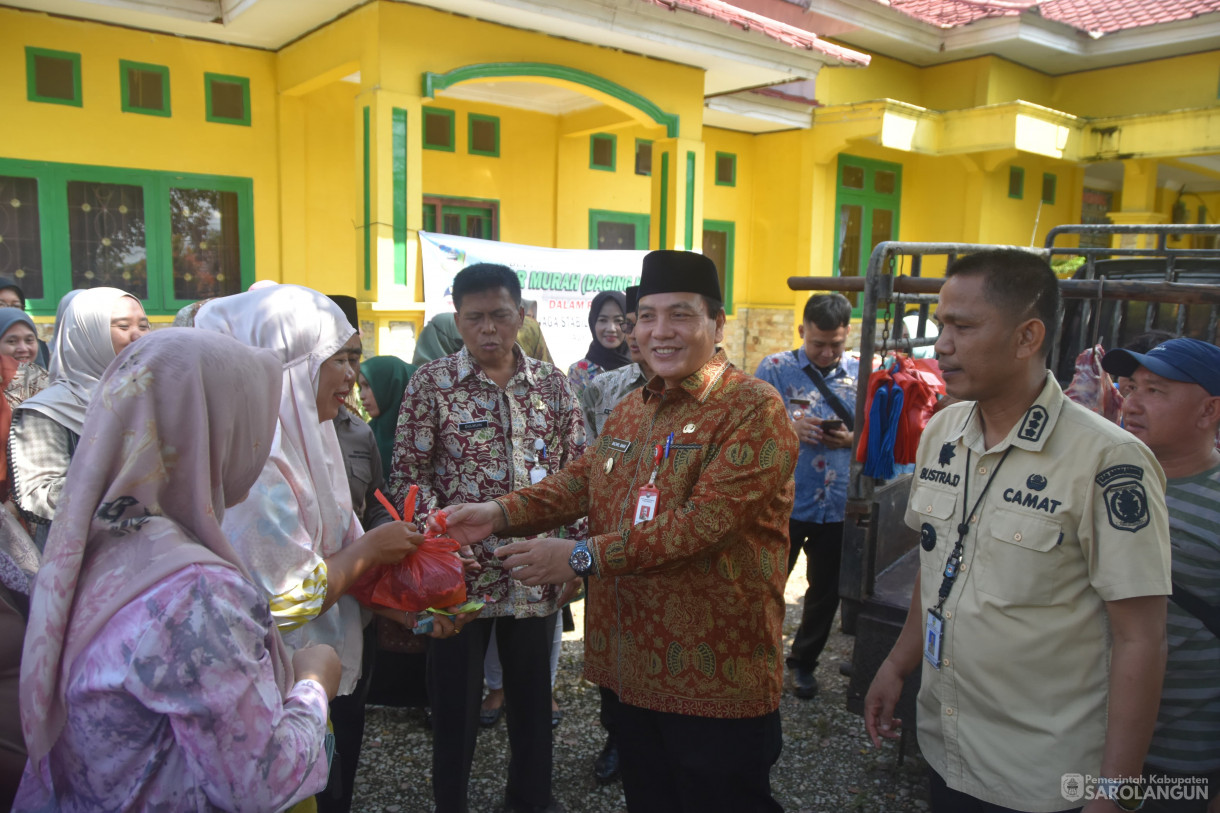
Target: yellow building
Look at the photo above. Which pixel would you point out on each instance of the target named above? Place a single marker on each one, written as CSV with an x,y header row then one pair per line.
x,y
183,148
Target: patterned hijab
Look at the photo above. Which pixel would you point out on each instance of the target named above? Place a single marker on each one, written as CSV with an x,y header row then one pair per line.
x,y
598,353
387,377
179,426
83,350
305,469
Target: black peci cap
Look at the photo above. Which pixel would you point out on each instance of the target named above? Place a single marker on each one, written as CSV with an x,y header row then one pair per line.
x,y
679,272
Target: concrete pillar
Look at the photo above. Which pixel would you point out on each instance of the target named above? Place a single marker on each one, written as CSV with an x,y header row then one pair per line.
x,y
677,194
389,168
1138,201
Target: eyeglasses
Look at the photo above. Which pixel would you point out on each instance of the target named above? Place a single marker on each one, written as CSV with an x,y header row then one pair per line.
x,y
629,326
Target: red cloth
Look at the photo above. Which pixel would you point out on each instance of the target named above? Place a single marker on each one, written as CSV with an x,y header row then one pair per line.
x,y
921,382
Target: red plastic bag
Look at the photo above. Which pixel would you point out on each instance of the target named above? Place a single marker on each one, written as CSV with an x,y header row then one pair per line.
x,y
430,577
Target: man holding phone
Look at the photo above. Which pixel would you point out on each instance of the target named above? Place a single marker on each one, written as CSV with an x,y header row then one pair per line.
x,y
818,384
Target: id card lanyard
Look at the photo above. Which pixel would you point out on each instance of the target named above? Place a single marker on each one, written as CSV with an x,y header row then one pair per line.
x,y
646,504
538,471
936,621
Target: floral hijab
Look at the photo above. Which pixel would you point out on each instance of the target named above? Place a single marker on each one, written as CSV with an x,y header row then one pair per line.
x,y
180,425
299,512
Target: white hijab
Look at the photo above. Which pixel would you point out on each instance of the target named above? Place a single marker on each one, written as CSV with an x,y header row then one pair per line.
x,y
300,510
83,350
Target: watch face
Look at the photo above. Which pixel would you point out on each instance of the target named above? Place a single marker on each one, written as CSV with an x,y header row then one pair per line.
x,y
581,561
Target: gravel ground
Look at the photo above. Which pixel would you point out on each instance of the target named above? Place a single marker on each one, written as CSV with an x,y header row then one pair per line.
x,y
827,763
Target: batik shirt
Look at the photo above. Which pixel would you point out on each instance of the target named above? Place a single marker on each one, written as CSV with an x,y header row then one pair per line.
x,y
686,610
174,706
462,439
821,473
605,392
581,375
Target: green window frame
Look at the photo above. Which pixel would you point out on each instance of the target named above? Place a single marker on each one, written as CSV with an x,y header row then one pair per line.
x,y
476,118
126,68
603,138
868,209
433,113
729,229
639,221
1016,183
54,225
1049,183
210,80
464,217
643,146
727,160
32,55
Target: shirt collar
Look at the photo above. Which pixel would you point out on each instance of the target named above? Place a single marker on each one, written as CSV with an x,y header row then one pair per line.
x,y
1031,431
467,366
698,384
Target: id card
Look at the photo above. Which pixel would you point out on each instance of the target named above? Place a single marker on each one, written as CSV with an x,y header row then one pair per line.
x,y
646,505
537,474
931,642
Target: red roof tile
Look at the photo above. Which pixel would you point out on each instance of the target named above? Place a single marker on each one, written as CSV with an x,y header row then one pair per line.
x,y
751,21
1108,16
1097,16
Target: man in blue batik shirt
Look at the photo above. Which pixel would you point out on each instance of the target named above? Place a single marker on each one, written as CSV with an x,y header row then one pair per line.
x,y
821,470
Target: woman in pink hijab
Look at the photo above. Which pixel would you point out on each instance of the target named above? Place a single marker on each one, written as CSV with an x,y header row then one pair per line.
x,y
152,675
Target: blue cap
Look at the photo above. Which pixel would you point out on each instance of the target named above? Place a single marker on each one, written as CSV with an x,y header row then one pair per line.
x,y
1188,360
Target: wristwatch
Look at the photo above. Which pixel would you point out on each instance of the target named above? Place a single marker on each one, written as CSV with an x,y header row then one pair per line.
x,y
581,559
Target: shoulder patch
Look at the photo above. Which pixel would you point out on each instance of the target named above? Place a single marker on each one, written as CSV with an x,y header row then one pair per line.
x,y
1034,423
1115,472
1126,506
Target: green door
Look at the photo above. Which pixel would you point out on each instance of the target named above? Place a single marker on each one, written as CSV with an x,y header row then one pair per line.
x,y
867,197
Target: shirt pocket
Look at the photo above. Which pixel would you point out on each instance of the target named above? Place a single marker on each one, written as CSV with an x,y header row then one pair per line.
x,y
1019,556
360,469
935,511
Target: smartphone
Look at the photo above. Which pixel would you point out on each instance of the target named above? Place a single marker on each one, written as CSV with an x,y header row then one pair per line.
x,y
832,426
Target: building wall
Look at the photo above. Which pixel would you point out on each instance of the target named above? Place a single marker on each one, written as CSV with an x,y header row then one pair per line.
x,y
1145,87
302,150
99,133
327,228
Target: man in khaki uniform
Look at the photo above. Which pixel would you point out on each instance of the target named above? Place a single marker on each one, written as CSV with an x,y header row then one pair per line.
x,y
1038,613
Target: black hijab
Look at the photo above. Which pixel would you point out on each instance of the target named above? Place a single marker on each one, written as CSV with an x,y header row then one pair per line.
x,y
598,353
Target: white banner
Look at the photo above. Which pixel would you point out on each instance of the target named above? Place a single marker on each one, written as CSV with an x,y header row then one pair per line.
x,y
562,281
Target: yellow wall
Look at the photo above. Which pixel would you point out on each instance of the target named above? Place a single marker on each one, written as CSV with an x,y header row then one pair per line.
x,y
100,133
777,224
303,150
441,42
1164,84
522,179
1146,87
327,230
736,204
581,188
884,78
